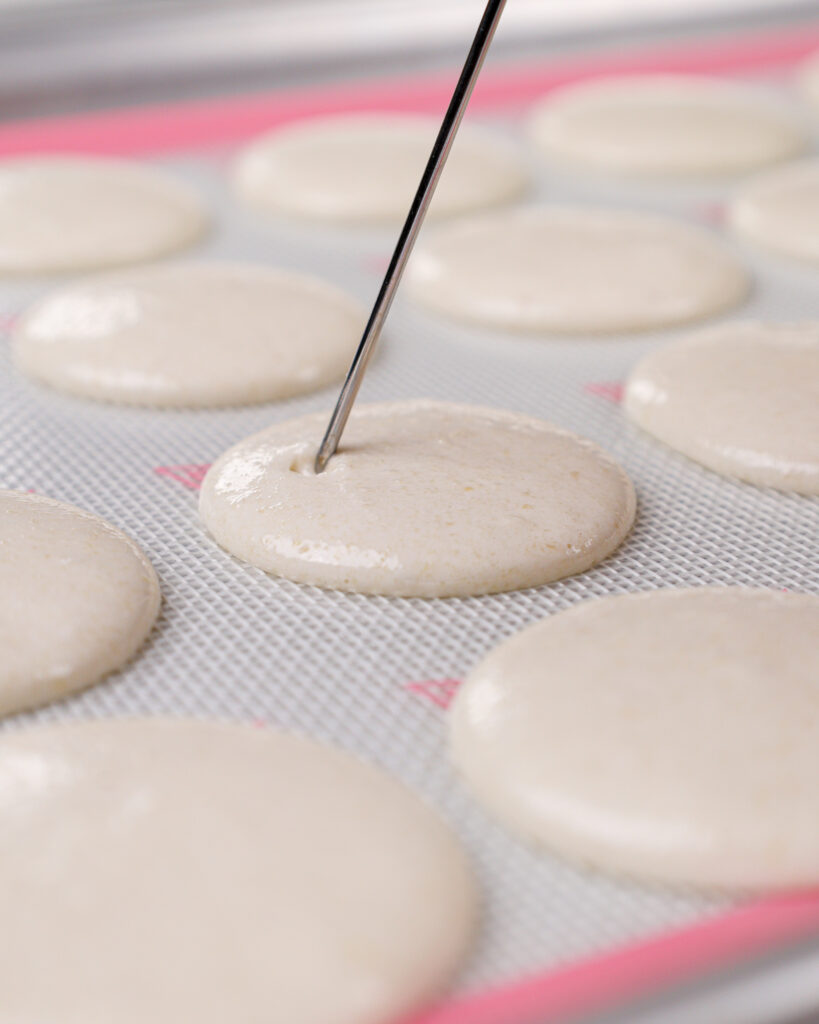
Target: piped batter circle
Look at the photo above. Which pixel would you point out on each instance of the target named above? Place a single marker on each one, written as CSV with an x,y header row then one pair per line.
x,y
71,213
741,399
668,126
365,169
779,210
203,334
808,78
670,735
171,870
575,270
423,499
77,599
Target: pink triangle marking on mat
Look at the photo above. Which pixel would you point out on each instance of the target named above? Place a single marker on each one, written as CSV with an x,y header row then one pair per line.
x,y
7,321
377,264
439,691
190,474
611,390
712,213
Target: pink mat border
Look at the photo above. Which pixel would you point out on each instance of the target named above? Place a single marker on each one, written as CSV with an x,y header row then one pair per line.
x,y
171,128
656,962
639,969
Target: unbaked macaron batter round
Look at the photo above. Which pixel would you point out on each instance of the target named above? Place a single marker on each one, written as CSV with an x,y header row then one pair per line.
x,y
665,126
779,210
575,270
365,168
671,735
77,599
199,334
741,398
423,499
808,77
172,871
60,214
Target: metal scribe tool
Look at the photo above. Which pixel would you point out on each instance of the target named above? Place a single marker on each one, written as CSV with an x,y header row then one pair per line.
x,y
409,232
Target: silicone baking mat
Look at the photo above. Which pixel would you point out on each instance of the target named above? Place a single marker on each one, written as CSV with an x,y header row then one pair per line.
x,y
374,675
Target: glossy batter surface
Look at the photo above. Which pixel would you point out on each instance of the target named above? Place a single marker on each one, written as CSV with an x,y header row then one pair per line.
x,y
365,168
191,335
575,270
77,599
741,398
671,735
171,871
423,499
60,214
665,126
780,210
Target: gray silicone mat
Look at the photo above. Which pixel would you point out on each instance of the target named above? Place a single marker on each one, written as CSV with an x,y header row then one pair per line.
x,y
236,644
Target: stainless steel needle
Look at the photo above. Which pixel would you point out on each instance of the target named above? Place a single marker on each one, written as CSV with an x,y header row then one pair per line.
x,y
412,225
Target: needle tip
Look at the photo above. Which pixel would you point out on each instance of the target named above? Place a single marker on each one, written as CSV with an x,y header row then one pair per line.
x,y
322,457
